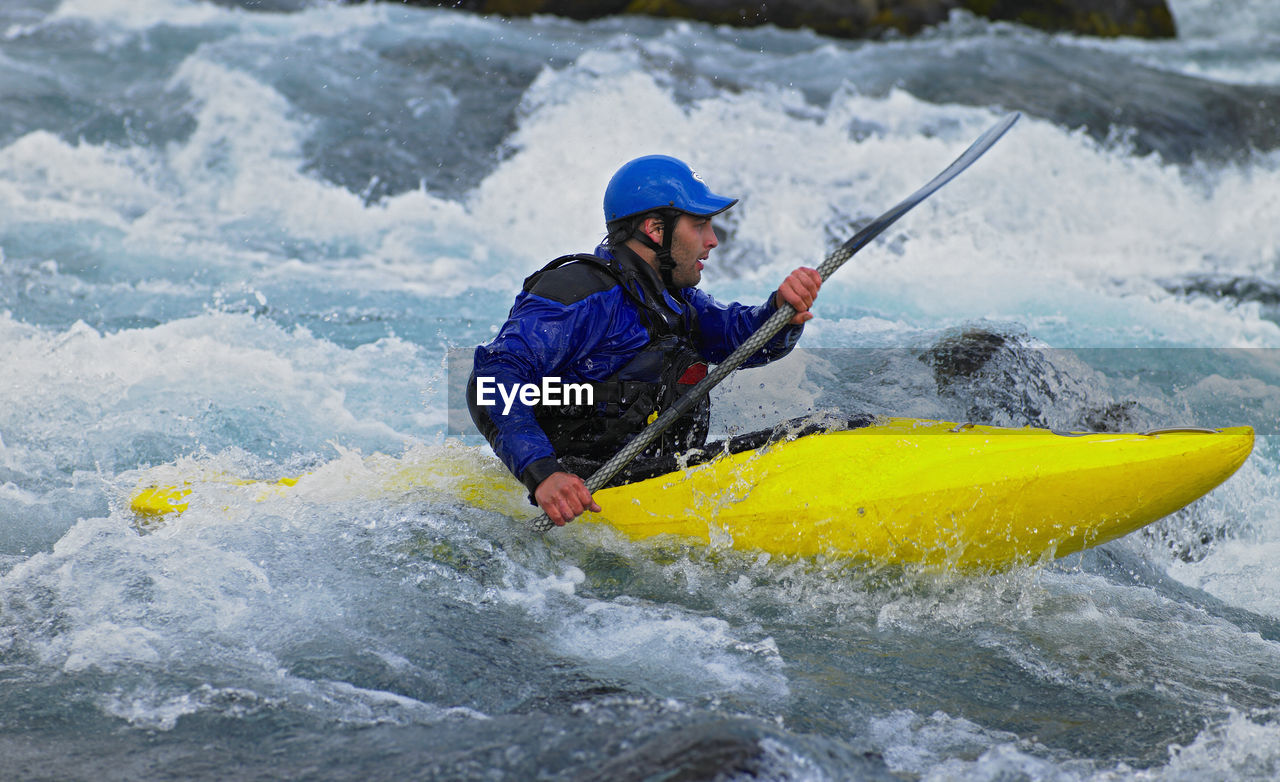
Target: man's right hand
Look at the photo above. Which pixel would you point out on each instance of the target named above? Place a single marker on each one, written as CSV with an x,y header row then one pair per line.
x,y
563,496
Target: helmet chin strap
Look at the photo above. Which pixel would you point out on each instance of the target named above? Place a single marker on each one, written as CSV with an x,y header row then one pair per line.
x,y
666,264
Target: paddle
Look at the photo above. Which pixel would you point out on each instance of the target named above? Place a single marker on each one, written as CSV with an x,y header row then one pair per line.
x,y
785,312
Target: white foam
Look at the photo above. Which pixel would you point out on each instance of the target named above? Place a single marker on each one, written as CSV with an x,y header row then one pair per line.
x,y
760,397
919,745
106,645
942,747
1241,747
672,652
1219,19
45,179
664,649
84,394
150,708
364,706
140,14
240,175
234,194
1241,572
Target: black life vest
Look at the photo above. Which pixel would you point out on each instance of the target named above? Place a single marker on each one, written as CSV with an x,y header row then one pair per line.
x,y
625,402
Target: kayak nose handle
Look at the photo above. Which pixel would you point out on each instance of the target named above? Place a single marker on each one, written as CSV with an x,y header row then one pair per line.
x,y
1180,430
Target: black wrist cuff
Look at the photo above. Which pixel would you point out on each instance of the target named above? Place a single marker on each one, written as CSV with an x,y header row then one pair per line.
x,y
537,472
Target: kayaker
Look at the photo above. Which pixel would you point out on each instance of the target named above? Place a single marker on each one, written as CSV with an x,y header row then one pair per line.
x,y
596,346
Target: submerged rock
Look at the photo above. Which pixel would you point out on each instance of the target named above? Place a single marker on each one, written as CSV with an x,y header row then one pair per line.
x,y
722,750
858,18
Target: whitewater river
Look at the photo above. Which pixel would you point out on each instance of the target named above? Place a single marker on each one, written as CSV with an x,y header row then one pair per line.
x,y
246,244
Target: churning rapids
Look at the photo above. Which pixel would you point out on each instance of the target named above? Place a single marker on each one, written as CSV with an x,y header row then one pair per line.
x,y
244,243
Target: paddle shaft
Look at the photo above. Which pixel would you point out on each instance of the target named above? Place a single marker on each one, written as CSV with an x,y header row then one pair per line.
x,y
785,313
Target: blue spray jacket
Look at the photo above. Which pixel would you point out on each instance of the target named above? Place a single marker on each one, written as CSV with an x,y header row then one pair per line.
x,y
580,326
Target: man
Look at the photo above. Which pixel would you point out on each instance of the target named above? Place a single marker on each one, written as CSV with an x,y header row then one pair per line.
x,y
626,326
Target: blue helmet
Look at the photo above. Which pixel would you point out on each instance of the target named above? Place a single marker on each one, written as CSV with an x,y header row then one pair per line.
x,y
655,182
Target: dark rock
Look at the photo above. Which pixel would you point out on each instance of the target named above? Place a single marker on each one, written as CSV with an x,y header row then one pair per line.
x,y
710,751
1007,379
1110,417
1236,288
996,378
858,18
963,355
1106,18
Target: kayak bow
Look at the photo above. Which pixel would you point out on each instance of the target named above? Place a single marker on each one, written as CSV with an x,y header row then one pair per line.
x,y
933,493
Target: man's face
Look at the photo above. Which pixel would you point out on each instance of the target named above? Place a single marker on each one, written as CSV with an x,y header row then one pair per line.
x,y
690,246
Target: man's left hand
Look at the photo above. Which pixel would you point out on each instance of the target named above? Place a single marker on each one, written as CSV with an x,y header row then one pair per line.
x,y
799,290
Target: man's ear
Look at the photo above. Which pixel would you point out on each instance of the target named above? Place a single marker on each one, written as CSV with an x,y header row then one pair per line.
x,y
652,228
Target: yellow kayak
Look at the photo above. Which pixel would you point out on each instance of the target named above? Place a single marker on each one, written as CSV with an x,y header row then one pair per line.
x,y
900,491
934,493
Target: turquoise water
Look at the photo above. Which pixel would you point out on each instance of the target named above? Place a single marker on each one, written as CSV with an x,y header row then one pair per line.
x,y
238,243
